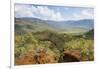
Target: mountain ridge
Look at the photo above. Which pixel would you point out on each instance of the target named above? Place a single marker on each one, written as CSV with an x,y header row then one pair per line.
x,y
62,26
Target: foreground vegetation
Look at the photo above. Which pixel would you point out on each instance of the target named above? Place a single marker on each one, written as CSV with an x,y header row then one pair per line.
x,y
50,47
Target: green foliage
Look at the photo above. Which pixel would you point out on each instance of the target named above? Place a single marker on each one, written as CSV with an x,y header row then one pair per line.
x,y
24,43
90,34
57,40
84,45
35,37
53,43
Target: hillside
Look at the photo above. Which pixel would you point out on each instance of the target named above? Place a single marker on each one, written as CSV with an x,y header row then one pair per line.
x,y
34,24
90,34
40,41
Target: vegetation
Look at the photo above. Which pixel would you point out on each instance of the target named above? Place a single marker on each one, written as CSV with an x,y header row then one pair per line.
x,y
39,42
49,47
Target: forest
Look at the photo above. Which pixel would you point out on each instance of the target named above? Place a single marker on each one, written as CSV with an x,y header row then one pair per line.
x,y
42,47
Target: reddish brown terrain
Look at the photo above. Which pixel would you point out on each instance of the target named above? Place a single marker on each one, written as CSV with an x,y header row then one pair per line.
x,y
35,58
42,57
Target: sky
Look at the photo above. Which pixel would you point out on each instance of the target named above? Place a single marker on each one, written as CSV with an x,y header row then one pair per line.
x,y
55,13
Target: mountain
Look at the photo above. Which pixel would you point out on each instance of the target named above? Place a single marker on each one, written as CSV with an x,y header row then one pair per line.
x,y
86,23
35,24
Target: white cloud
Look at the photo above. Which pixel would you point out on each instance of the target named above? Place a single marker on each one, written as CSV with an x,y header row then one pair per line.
x,y
84,14
88,13
40,12
47,14
43,12
23,11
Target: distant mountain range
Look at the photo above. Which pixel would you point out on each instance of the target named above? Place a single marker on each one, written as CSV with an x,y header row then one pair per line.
x,y
35,24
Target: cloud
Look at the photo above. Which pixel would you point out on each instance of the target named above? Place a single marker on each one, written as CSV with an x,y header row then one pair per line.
x,y
88,13
46,13
37,11
84,14
23,11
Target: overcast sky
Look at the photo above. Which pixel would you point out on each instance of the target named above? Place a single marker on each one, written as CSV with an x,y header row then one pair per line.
x,y
56,13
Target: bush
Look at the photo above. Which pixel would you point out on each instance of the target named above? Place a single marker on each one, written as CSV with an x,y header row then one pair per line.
x,y
84,45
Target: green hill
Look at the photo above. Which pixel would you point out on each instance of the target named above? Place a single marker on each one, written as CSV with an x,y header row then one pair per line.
x,y
90,34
